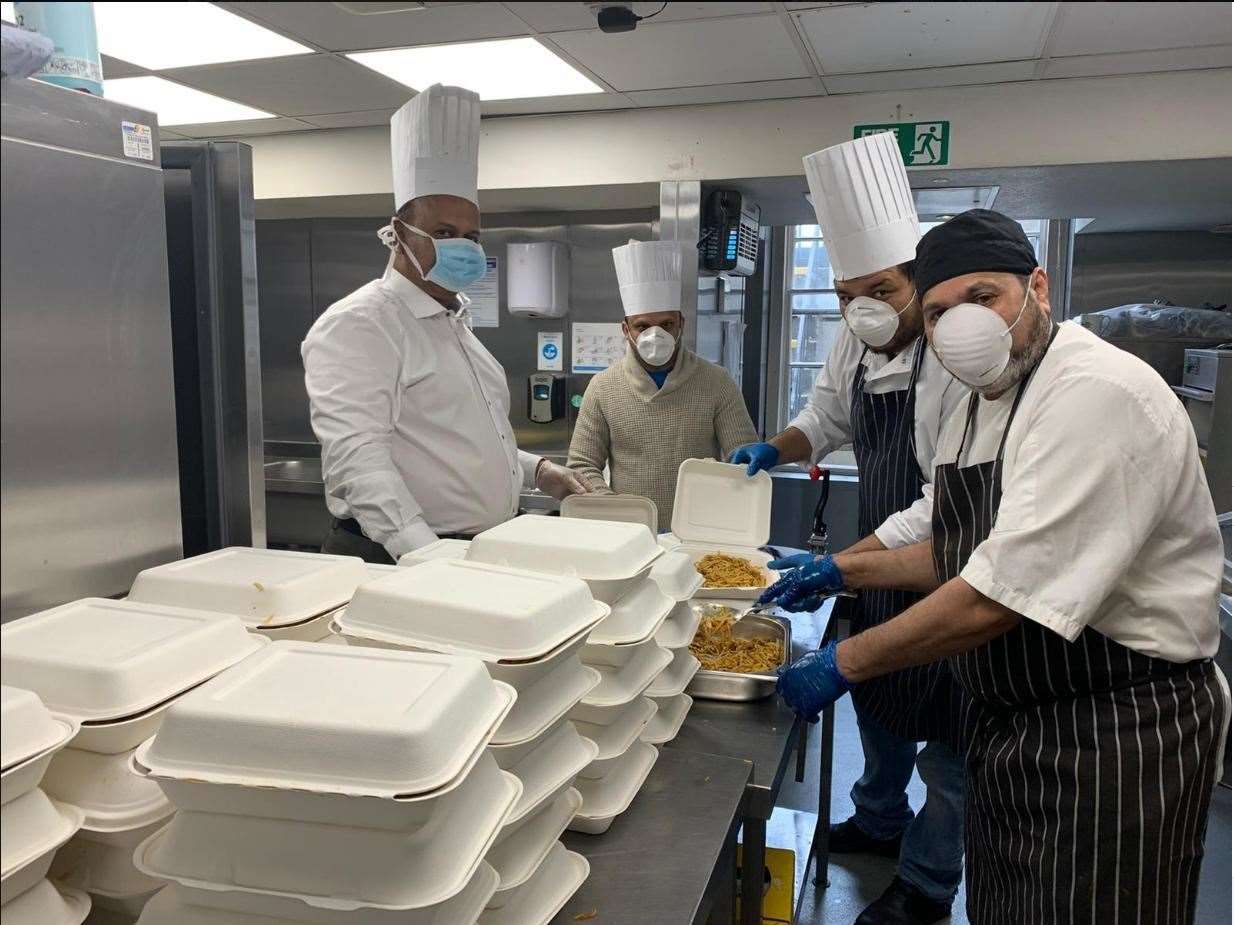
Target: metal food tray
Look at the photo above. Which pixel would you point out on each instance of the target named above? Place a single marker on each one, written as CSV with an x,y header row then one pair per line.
x,y
729,685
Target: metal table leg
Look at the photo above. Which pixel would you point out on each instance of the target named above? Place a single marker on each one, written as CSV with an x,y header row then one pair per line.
x,y
753,861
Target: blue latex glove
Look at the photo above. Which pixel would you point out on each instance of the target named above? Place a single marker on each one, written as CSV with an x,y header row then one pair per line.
x,y
813,682
756,457
811,578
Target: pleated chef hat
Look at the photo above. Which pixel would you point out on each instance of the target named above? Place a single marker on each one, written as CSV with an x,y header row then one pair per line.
x,y
435,143
863,204
649,276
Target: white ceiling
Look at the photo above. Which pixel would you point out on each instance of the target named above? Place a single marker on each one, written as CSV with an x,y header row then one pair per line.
x,y
708,52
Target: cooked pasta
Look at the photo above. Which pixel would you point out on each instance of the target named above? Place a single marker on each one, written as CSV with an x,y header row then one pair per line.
x,y
718,649
723,571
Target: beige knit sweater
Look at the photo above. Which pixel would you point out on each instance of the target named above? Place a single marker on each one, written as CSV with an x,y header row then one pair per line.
x,y
643,434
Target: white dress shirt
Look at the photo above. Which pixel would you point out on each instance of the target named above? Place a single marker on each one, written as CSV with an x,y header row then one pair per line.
x,y
826,420
1106,519
412,413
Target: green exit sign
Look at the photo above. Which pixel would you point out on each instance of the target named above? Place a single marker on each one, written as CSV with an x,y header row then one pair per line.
x,y
922,144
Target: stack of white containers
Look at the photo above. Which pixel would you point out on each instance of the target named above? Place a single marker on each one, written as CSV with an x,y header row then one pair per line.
x,y
528,628
34,826
277,594
331,784
113,668
615,561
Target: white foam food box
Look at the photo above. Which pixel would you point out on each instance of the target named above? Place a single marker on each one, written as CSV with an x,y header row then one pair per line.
x,y
441,549
521,847
470,608
678,630
263,587
635,617
718,508
124,735
630,509
670,714
676,575
544,894
625,671
333,719
334,866
113,798
46,904
27,727
674,679
607,797
104,870
613,729
96,660
34,826
547,689
546,765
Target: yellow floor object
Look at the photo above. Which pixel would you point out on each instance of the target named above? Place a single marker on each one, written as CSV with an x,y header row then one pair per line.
x,y
777,886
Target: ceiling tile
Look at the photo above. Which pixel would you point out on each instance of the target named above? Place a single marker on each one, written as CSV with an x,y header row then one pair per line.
x,y
334,29
1094,28
1138,62
583,102
729,93
350,119
561,17
860,39
240,129
114,68
931,77
688,54
297,86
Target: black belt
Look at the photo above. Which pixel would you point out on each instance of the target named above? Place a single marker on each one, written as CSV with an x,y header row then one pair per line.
x,y
352,526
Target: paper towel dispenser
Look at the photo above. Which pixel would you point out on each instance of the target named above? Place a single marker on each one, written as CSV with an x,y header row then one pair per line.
x,y
538,279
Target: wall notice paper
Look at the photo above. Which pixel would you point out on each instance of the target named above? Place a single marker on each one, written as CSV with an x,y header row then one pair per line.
x,y
549,346
483,294
138,140
596,347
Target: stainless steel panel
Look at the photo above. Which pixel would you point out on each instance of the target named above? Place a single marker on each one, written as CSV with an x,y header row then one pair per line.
x,y
1183,267
1056,258
680,215
88,452
732,685
285,280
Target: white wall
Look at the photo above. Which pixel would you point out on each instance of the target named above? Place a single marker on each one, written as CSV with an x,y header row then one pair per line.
x,y
1167,116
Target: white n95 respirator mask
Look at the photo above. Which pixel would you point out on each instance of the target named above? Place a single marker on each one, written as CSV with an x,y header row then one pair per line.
x,y
974,343
655,346
873,321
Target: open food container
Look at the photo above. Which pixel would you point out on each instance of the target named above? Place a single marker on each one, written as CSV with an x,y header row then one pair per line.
x,y
99,660
114,799
182,905
334,866
732,685
670,714
626,671
46,904
674,679
441,549
34,827
332,719
719,509
676,575
679,629
31,736
611,557
636,617
520,848
607,797
613,729
546,765
630,509
469,608
263,587
539,899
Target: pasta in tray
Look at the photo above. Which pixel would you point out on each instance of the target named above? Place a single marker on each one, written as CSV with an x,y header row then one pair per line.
x,y
718,649
724,571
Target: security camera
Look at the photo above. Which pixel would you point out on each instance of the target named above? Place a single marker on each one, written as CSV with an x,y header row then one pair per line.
x,y
615,17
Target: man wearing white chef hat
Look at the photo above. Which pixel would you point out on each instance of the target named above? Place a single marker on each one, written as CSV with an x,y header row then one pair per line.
x,y
884,392
410,408
662,404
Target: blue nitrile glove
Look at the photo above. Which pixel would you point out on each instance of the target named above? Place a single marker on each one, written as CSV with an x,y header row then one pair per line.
x,y
813,682
812,577
756,457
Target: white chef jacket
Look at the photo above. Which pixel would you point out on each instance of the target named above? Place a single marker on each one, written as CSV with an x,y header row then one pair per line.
x,y
1106,519
412,413
826,420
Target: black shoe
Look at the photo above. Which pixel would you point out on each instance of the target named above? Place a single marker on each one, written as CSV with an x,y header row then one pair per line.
x,y
848,838
903,904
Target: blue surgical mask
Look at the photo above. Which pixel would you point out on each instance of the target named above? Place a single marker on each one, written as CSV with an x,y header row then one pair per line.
x,y
460,261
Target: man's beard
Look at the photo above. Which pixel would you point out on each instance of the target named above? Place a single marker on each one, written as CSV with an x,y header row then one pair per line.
x,y
1018,366
908,332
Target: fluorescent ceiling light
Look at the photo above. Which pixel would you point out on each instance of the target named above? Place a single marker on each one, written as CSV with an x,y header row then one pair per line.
x,y
166,35
176,104
6,13
506,69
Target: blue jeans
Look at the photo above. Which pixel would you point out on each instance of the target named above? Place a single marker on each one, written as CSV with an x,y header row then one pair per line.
x,y
932,853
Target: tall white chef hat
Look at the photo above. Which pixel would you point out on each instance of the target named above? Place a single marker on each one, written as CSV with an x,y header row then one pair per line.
x,y
435,143
649,276
863,204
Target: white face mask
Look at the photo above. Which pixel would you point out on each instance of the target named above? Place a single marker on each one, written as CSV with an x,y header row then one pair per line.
x,y
655,346
973,342
873,321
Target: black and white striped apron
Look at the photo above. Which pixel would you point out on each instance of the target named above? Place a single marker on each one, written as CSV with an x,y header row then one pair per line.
x,y
905,703
1090,765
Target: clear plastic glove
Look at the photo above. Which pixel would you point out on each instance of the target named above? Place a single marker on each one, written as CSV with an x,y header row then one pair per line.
x,y
756,457
813,682
558,481
811,579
